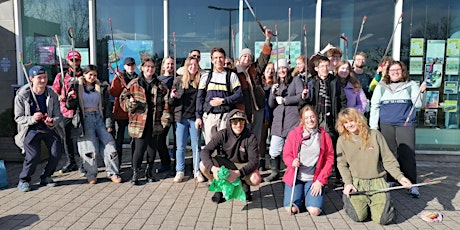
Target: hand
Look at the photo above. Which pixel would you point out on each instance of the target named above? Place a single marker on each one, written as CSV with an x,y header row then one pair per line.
x,y
38,116
268,33
316,188
423,87
49,121
296,163
405,182
72,94
233,175
198,123
216,101
279,100
380,69
305,93
348,189
109,129
174,92
61,98
214,170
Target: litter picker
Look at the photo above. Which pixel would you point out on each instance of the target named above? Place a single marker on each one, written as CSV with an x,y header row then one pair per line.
x,y
257,20
374,191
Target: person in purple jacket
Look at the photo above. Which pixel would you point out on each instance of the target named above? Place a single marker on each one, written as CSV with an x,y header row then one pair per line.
x,y
356,98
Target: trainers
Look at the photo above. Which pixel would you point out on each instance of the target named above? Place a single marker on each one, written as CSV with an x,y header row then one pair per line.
x,y
47,181
68,168
414,192
163,168
115,179
199,177
23,186
179,177
218,197
82,172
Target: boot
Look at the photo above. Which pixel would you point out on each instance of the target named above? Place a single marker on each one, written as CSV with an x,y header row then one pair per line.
x,y
262,164
275,166
247,191
149,173
135,179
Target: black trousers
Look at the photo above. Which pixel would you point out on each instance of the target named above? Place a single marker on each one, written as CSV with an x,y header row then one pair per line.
x,y
146,142
69,142
121,125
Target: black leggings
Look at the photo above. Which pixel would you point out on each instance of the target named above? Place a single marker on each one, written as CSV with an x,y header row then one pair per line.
x,y
146,142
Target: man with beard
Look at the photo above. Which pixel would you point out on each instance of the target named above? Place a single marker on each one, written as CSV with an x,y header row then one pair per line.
x,y
359,61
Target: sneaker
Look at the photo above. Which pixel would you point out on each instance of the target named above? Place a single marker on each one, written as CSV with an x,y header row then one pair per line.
x,y
179,177
163,168
23,186
218,197
199,177
82,172
68,168
115,179
414,192
47,181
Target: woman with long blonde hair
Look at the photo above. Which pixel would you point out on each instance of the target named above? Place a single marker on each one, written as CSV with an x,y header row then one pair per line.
x,y
363,159
183,99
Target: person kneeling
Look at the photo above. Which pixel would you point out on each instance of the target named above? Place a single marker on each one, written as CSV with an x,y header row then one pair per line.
x,y
364,160
237,149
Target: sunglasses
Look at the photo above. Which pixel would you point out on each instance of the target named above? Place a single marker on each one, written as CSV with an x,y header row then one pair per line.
x,y
196,56
238,122
227,63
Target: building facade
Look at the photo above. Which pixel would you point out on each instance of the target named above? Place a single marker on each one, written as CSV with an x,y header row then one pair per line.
x,y
420,33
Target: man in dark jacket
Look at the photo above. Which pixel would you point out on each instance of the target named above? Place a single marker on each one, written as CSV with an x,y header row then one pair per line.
x,y
237,149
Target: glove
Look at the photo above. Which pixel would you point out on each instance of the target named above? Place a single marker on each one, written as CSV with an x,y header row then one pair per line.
x,y
280,100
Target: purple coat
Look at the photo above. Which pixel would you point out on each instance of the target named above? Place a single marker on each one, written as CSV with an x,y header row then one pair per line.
x,y
355,100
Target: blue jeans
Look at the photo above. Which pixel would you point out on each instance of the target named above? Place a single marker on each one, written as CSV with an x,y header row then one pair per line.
x,y
302,191
185,129
88,146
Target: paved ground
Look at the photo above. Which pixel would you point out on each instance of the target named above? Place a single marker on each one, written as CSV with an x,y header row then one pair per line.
x,y
74,204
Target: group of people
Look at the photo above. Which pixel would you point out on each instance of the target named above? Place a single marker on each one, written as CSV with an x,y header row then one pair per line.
x,y
316,115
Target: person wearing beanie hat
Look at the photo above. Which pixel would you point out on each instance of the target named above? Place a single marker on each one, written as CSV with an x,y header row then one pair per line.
x,y
239,153
119,115
250,75
37,114
62,86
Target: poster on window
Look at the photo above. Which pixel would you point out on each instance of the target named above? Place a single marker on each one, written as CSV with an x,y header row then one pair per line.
x,y
136,49
433,75
450,87
46,55
453,47
416,46
286,50
435,50
451,120
431,99
431,117
452,64
416,66
450,106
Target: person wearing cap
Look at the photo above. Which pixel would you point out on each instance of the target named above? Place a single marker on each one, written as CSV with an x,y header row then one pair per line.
x,y
218,92
119,82
237,149
328,98
38,117
250,75
284,99
62,86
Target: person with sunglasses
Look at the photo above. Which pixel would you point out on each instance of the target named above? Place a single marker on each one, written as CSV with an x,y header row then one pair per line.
x,y
238,150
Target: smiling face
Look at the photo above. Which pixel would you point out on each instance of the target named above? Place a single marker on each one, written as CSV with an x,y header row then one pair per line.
x,y
168,66
282,73
193,67
39,81
90,77
237,126
395,72
351,126
245,60
322,69
148,69
218,60
343,71
310,120
300,65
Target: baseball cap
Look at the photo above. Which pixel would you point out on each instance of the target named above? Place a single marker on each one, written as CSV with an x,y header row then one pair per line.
x,y
129,60
36,70
73,54
238,115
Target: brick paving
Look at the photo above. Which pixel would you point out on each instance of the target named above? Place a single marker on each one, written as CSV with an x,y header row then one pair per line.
x,y
74,204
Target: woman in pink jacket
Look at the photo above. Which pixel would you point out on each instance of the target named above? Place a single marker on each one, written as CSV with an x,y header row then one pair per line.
x,y
309,149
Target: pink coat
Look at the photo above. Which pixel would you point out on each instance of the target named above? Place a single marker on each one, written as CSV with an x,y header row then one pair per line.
x,y
325,160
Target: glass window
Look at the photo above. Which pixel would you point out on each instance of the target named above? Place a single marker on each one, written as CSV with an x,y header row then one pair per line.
x,y
42,20
137,30
437,62
346,17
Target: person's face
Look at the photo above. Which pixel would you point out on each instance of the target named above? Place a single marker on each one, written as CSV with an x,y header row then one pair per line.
x,y
245,60
193,67
282,73
300,65
323,69
148,68
334,60
343,71
168,65
130,68
228,63
196,55
360,61
310,120
237,126
77,63
269,71
39,80
351,126
218,60
90,77
395,72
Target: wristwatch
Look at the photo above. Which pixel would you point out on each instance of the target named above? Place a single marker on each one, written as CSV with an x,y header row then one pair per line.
x,y
223,101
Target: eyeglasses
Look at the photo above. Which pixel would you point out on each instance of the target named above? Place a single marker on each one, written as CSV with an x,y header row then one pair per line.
x,y
238,122
227,63
394,70
196,56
